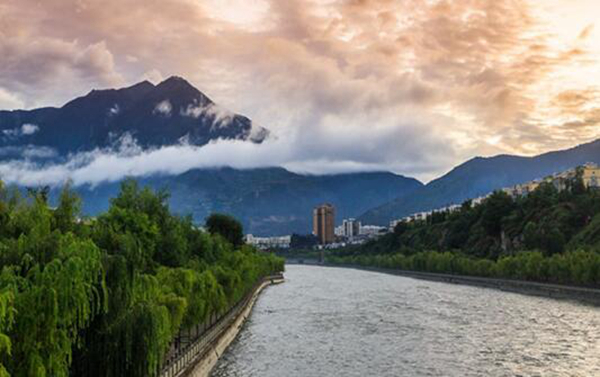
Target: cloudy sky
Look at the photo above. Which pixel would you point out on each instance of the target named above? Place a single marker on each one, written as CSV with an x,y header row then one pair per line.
x,y
411,86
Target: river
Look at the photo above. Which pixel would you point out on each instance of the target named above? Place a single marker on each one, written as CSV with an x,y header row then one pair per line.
x,y
344,322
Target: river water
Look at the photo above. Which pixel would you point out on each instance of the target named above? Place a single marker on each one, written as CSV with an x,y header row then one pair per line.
x,y
345,322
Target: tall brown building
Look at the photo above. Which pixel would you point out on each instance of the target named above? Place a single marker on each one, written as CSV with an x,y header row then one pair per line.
x,y
324,223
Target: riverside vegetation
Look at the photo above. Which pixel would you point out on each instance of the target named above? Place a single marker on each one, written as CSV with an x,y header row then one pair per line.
x,y
546,236
107,296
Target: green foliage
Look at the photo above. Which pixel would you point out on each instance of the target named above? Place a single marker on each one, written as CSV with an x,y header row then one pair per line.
x,y
576,267
226,226
496,207
107,296
545,236
7,318
69,207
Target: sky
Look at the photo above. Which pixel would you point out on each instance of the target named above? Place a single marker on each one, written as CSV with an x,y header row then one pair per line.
x,y
414,87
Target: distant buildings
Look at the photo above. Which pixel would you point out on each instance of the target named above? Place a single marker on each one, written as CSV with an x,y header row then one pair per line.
x,y
351,228
324,223
265,243
423,215
352,232
589,173
371,230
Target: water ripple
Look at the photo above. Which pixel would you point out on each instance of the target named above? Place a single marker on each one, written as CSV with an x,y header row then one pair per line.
x,y
344,322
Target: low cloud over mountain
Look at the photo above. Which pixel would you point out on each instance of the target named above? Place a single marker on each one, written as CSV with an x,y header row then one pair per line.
x,y
448,79
172,127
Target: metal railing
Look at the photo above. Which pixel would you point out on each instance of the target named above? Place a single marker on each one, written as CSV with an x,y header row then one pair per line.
x,y
186,350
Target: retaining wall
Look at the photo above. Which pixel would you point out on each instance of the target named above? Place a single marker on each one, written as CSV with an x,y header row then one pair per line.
x,y
201,356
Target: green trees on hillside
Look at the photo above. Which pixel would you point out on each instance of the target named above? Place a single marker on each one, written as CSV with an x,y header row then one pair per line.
x,y
548,235
107,296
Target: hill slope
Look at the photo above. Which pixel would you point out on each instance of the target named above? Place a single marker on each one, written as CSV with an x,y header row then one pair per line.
x,y
269,201
480,176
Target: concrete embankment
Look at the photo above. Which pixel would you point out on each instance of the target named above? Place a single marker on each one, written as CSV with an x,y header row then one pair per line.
x,y
207,362
204,355
565,292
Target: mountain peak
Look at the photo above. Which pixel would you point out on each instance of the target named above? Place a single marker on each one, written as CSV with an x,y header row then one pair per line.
x,y
179,90
166,114
175,78
175,82
142,84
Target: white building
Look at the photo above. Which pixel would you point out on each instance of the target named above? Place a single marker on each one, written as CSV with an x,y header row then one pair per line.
x,y
371,230
264,243
351,228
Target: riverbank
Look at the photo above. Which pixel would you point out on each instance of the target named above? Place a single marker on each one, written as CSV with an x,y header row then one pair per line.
x,y
562,292
202,356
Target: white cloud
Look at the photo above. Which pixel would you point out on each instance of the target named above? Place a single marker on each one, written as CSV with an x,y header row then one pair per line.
x,y
477,75
221,117
26,129
31,152
29,129
163,108
257,133
11,132
300,155
153,75
28,152
114,110
37,68
9,101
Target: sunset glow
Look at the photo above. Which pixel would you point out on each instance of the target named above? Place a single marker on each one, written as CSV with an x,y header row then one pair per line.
x,y
454,79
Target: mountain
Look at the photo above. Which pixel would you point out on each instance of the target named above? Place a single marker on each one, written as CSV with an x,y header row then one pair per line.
x,y
154,115
268,201
480,176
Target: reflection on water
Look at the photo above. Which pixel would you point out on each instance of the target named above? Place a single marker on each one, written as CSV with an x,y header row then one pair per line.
x,y
345,322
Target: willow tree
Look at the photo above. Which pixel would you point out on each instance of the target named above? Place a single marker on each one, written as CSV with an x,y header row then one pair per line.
x,y
56,287
54,302
109,297
7,317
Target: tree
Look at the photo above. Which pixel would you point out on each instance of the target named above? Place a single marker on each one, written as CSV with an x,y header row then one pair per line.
x,y
42,193
109,298
496,207
307,241
69,207
400,228
227,226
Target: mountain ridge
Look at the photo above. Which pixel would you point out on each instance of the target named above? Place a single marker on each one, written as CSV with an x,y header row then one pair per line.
x,y
174,112
169,113
268,201
481,175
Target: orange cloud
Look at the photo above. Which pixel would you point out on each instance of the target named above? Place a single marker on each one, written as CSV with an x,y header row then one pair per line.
x,y
462,72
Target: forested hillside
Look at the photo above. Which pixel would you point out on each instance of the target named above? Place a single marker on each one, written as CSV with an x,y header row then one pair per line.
x,y
106,297
480,176
268,201
545,236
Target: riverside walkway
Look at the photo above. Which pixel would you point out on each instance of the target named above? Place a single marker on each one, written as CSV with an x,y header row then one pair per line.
x,y
201,345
